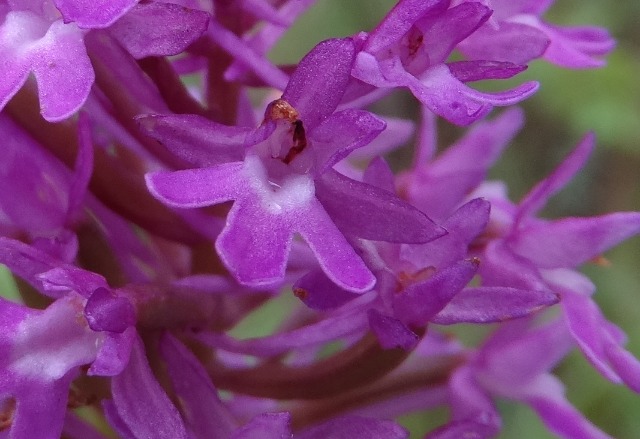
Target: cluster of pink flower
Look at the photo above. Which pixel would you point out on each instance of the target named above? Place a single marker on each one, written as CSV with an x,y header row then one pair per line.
x,y
144,215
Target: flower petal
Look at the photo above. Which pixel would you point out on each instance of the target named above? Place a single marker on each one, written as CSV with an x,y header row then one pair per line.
x,y
572,241
540,194
367,212
107,312
440,186
316,87
341,133
596,338
318,292
255,243
159,29
141,403
63,71
113,353
198,187
205,414
399,20
348,427
512,42
419,302
493,304
577,47
391,332
347,323
40,410
93,14
335,255
196,139
380,175
560,416
266,426
474,414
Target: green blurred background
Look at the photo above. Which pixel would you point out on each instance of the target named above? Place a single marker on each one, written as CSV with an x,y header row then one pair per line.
x,y
569,103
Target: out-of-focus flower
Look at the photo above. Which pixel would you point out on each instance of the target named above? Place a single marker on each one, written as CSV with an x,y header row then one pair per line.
x,y
516,33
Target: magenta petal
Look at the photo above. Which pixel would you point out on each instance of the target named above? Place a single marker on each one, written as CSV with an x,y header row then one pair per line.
x,y
52,343
474,414
399,20
501,267
481,146
159,29
113,353
493,304
349,323
205,414
68,277
266,426
266,36
195,139
446,96
40,410
442,32
469,220
439,90
318,292
515,356
83,168
397,133
107,312
368,212
463,226
93,14
35,192
341,133
577,47
255,243
596,339
559,415
263,10
467,71
115,421
572,241
391,332
511,42
350,427
26,262
198,187
626,365
439,187
142,404
244,55
540,194
63,72
380,175
335,255
15,69
419,302
316,87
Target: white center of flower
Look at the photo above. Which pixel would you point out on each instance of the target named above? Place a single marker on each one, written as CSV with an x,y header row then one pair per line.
x,y
50,343
294,191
